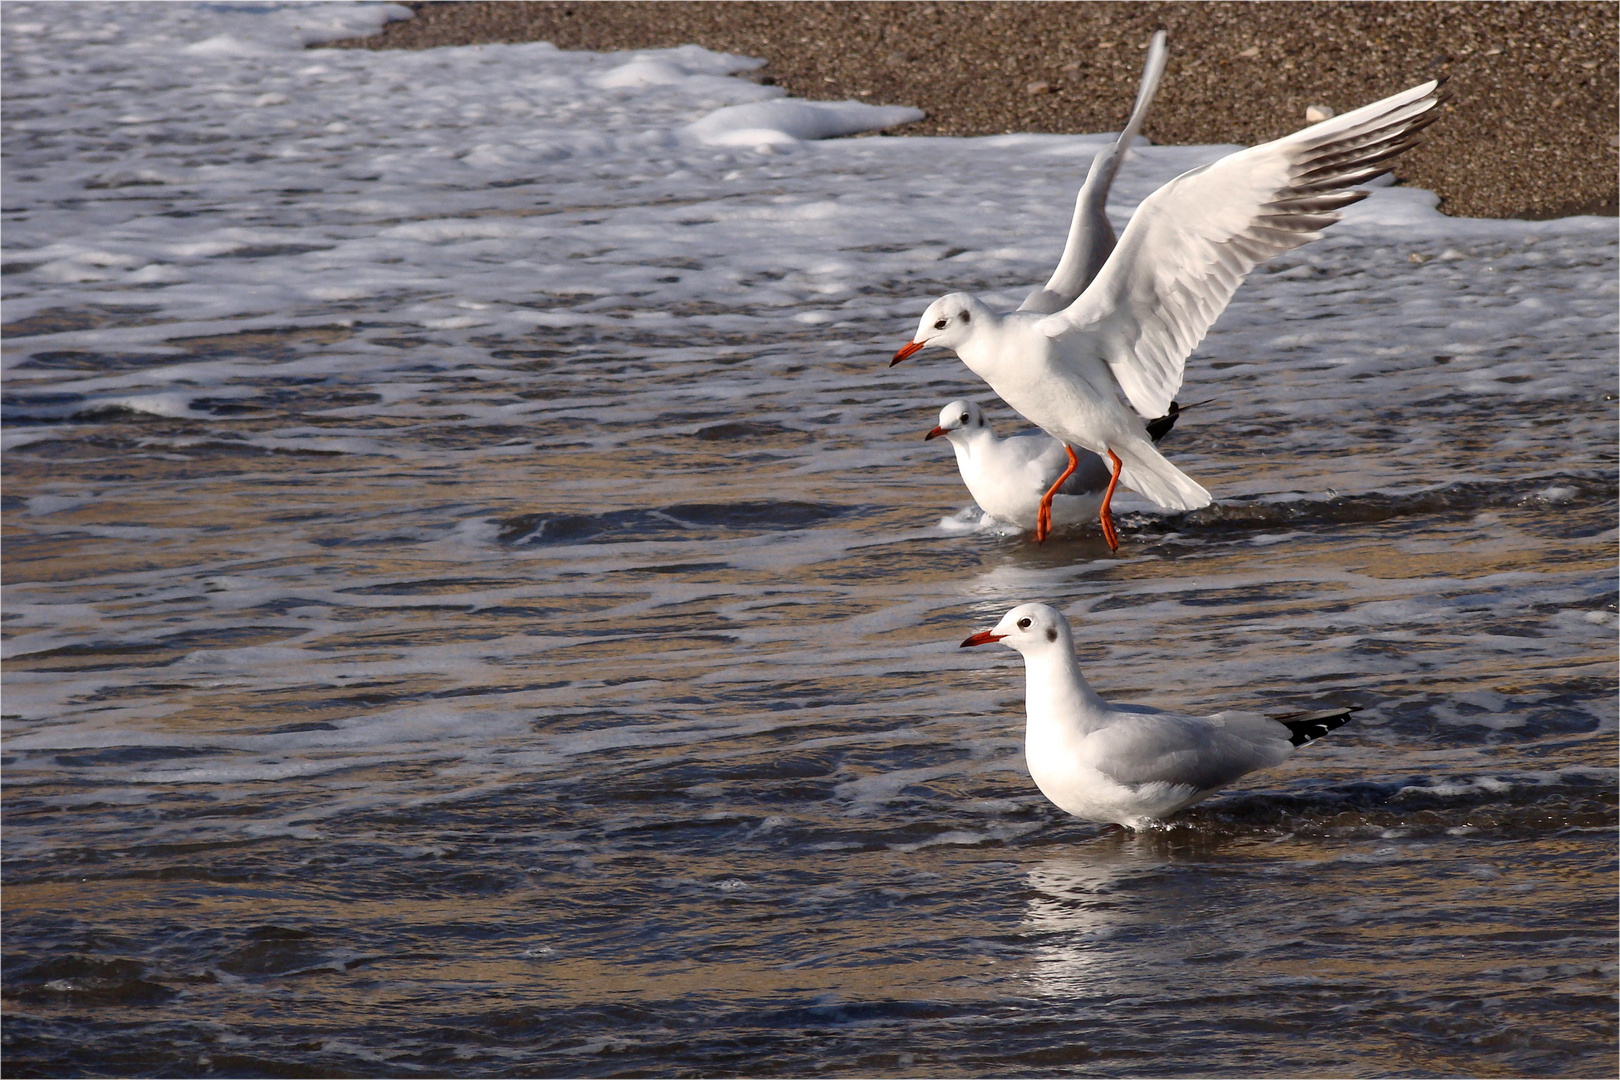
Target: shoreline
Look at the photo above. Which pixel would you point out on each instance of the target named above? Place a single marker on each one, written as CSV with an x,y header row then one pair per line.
x,y
1529,132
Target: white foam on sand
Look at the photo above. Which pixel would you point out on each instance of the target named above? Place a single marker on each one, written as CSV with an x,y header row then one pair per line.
x,y
775,123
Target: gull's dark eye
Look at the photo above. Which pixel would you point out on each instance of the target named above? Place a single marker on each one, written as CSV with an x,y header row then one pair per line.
x,y
1023,624
941,324
964,418
964,316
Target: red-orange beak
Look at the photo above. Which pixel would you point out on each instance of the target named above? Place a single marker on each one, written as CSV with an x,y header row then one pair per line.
x,y
936,433
905,351
983,637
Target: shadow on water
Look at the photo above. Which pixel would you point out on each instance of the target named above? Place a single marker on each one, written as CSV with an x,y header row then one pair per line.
x,y
684,520
1562,494
1569,496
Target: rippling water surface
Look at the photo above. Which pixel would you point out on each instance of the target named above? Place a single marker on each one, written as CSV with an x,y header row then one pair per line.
x,y
476,601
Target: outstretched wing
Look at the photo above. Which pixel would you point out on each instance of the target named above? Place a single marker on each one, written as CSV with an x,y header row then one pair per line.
x,y
1091,237
1191,243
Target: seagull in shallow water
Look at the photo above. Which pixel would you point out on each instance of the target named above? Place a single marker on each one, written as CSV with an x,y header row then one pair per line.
x,y
1130,764
1008,477
1091,373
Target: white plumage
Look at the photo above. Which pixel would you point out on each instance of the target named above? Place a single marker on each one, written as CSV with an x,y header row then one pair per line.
x,y
1008,477
1130,764
1092,373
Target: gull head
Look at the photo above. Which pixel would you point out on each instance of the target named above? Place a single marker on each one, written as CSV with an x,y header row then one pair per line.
x,y
959,415
1029,628
948,323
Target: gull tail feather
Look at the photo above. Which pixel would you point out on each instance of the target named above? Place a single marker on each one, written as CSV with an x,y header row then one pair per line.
x,y
1150,473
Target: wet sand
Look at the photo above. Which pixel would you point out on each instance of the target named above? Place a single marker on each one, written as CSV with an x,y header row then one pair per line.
x,y
1530,131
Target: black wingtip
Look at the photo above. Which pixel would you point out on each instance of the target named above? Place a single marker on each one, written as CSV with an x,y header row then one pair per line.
x,y
1305,727
1158,429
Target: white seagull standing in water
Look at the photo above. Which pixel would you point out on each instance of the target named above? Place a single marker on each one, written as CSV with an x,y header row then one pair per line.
x,y
1130,764
1092,373
1009,477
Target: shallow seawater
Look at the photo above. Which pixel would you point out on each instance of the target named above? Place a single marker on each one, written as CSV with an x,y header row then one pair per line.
x,y
477,601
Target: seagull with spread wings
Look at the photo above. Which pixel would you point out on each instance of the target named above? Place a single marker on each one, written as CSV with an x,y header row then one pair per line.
x,y
1091,361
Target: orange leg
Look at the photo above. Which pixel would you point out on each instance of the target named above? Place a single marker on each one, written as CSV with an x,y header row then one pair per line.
x,y
1043,517
1103,515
